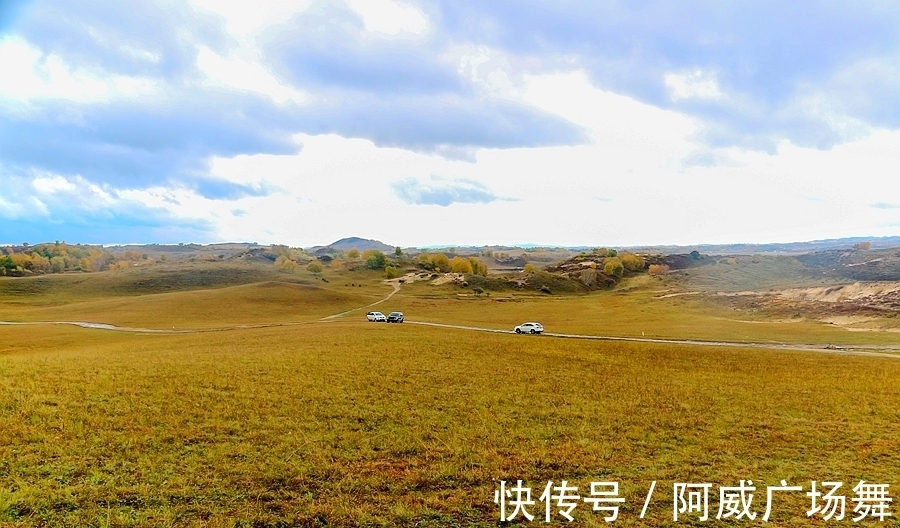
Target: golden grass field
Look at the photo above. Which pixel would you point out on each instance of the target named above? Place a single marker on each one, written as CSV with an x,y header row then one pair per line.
x,y
349,423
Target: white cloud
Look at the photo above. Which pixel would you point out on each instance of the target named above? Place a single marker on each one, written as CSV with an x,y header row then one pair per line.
x,y
245,18
52,184
17,201
74,191
244,75
338,187
28,74
696,84
488,69
385,16
629,133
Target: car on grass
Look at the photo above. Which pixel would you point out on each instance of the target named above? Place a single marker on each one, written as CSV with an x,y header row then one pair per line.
x,y
377,317
395,317
529,328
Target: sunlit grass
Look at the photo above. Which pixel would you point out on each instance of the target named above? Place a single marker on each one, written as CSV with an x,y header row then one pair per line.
x,y
353,423
642,311
133,297
348,422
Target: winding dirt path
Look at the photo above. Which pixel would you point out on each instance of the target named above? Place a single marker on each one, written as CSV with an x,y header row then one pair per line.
x,y
394,282
850,350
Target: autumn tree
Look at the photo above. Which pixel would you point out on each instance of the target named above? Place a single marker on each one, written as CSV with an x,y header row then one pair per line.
x,y
613,267
441,262
374,259
460,265
57,264
286,264
632,262
39,263
478,267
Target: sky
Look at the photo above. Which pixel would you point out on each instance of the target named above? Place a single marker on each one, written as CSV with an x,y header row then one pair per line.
x,y
463,122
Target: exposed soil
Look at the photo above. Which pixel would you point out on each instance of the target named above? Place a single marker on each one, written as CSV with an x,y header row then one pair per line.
x,y
859,306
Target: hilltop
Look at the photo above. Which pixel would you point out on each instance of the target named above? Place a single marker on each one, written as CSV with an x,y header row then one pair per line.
x,y
346,244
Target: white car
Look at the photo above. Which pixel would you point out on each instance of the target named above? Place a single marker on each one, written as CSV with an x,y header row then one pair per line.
x,y
529,328
378,317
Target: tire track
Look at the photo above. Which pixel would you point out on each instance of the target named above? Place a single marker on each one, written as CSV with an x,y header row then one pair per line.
x,y
853,350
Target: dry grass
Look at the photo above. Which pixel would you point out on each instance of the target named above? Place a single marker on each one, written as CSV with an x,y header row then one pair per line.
x,y
205,296
351,423
640,309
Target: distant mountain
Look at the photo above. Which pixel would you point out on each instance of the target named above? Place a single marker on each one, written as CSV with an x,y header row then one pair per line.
x,y
775,247
346,244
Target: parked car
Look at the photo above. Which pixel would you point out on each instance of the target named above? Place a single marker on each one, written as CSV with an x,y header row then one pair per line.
x,y
378,317
395,317
529,328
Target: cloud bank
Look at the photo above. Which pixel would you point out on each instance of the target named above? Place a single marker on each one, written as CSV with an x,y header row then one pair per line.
x,y
146,104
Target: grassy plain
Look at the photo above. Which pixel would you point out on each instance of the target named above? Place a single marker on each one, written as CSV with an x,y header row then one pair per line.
x,y
645,306
184,296
351,423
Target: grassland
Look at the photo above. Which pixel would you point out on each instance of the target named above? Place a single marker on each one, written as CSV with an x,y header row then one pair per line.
x,y
183,296
348,423
645,307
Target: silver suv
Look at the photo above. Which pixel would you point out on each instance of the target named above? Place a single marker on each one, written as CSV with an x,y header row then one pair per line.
x,y
529,328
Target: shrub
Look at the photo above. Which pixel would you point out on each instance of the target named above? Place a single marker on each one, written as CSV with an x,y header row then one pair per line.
x,y
57,264
658,269
284,264
374,259
353,254
613,267
529,268
441,262
314,267
632,262
390,272
436,262
478,267
460,265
